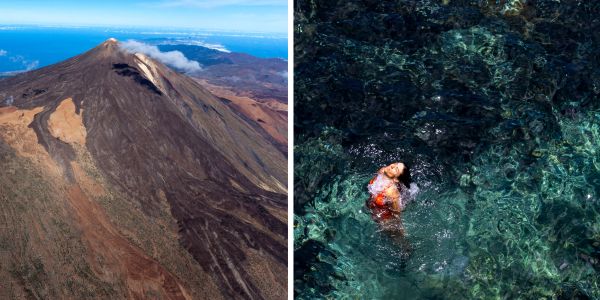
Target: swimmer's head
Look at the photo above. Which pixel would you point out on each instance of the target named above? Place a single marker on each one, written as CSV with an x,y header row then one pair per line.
x,y
398,171
394,170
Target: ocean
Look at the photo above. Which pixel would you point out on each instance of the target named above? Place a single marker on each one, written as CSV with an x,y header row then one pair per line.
x,y
495,108
29,47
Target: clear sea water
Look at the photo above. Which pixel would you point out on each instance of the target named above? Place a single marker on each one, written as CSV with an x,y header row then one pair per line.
x,y
30,47
494,106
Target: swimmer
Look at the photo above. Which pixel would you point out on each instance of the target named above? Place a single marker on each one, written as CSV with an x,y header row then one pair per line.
x,y
386,202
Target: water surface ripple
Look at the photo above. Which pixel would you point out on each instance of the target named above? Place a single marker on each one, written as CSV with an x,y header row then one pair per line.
x,y
495,107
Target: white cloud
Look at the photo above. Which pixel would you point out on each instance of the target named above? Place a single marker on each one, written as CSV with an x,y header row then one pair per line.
x,y
221,3
174,59
28,64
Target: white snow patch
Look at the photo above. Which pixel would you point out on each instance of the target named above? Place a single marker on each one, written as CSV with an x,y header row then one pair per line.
x,y
145,65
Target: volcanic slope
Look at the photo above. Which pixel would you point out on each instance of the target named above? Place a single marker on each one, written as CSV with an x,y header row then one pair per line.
x,y
120,178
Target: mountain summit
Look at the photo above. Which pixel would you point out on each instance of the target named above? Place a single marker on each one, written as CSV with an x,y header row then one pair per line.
x,y
122,178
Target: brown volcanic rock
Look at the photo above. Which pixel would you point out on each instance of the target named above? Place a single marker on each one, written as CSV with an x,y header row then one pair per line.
x,y
255,88
269,118
171,194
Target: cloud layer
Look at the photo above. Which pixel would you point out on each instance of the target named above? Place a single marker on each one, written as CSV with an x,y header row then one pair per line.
x,y
175,59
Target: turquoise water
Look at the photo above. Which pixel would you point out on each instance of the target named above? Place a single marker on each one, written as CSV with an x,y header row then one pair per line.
x,y
31,47
494,106
505,229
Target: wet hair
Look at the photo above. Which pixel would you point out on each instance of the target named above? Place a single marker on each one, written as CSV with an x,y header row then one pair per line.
x,y
405,177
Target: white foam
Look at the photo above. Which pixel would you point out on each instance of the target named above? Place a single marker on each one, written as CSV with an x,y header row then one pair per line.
x,y
380,183
413,190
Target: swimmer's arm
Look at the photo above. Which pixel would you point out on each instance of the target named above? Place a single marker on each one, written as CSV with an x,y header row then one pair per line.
x,y
396,204
393,194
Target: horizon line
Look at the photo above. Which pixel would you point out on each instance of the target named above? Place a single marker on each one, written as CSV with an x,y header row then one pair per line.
x,y
16,25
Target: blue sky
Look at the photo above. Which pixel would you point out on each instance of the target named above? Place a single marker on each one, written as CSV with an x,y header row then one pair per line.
x,y
228,15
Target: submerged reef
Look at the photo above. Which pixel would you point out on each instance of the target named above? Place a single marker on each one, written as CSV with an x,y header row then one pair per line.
x,y
495,107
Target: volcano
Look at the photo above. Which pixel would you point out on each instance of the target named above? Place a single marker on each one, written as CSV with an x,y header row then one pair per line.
x,y
121,178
